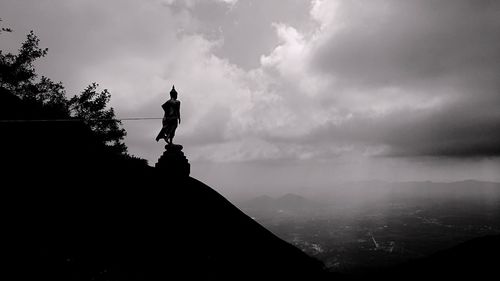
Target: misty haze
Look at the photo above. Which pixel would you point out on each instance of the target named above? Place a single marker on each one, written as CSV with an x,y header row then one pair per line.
x,y
354,226
237,139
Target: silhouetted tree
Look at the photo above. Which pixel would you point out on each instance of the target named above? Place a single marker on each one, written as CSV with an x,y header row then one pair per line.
x,y
17,71
90,106
18,77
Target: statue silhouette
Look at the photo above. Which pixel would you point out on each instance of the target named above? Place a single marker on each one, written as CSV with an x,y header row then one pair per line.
x,y
172,109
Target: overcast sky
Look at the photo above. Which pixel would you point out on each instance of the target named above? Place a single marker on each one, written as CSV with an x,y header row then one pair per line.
x,y
288,94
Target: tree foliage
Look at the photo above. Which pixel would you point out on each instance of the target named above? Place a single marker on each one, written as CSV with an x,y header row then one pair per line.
x,y
91,106
18,76
18,71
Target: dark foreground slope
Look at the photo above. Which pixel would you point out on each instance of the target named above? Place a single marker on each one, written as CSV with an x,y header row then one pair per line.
x,y
71,211
150,230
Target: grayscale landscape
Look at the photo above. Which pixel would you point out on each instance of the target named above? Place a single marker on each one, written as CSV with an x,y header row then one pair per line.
x,y
250,139
392,224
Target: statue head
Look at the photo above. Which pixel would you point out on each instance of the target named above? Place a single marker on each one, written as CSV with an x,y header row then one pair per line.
x,y
173,93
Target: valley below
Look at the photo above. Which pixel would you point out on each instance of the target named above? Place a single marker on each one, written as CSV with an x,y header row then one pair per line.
x,y
392,224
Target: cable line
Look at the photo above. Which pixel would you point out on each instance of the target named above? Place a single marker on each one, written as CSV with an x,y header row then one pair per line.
x,y
78,120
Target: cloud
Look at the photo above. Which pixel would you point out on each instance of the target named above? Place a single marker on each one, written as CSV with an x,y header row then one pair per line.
x,y
394,78
457,131
282,80
390,42
231,2
385,78
190,4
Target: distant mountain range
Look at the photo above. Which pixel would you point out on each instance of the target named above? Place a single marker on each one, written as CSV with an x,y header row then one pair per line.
x,y
366,191
288,205
370,191
284,202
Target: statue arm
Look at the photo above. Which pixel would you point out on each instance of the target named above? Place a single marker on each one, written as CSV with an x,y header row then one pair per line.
x,y
179,111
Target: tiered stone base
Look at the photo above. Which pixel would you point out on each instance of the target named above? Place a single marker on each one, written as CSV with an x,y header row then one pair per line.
x,y
173,162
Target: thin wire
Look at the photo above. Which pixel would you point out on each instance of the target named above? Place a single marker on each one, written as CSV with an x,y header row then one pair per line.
x,y
79,120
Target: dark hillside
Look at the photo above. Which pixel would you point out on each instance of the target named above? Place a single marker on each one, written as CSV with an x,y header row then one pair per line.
x,y
73,211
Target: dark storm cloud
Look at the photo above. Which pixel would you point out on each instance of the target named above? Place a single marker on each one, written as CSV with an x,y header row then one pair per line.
x,y
456,131
396,42
448,49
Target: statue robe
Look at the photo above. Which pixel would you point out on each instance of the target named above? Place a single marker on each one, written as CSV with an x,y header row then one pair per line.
x,y
170,119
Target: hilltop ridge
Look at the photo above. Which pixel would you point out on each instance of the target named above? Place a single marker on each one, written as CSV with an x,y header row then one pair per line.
x,y
76,212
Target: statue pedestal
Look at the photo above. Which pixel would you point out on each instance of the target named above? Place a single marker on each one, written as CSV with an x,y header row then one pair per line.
x,y
173,162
